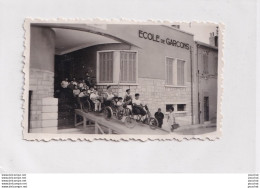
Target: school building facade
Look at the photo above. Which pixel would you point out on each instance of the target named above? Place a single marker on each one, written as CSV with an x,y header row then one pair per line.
x,y
159,62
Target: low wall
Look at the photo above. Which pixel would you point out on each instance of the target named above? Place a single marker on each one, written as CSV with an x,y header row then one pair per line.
x,y
41,84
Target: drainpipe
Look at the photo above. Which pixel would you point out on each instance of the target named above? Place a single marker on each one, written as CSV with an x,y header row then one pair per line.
x,y
198,80
191,74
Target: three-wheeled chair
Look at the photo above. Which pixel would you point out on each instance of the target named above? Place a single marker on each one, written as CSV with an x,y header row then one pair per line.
x,y
146,119
85,104
111,110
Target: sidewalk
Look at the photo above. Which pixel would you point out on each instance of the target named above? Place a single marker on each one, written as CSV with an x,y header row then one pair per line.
x,y
192,129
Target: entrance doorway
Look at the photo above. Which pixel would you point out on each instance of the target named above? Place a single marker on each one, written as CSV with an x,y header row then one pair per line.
x,y
206,108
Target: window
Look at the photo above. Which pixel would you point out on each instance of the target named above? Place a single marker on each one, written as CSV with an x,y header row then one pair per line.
x,y
180,72
168,106
169,71
106,67
175,72
205,64
181,107
117,66
127,67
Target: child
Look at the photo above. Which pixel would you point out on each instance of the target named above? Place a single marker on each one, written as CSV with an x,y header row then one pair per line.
x,y
64,83
76,91
74,82
71,86
109,96
84,85
128,97
83,93
171,119
120,104
80,85
137,105
159,116
91,90
95,98
113,103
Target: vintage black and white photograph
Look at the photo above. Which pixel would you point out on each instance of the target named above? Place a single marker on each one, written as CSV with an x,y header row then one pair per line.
x,y
88,80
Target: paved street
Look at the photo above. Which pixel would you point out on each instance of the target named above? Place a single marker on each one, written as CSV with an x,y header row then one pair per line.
x,y
193,129
184,130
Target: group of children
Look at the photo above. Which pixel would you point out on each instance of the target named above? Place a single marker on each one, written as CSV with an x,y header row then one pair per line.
x,y
84,89
79,84
118,102
90,92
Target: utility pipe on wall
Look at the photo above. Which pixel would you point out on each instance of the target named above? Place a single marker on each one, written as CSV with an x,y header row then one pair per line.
x,y
191,74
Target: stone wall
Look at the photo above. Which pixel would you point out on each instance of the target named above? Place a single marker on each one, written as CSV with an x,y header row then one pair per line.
x,y
154,93
41,78
42,86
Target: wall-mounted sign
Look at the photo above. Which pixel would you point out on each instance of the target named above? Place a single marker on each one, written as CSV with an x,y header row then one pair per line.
x,y
167,41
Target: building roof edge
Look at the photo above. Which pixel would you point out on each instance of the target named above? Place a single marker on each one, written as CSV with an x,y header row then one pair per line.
x,y
176,29
206,45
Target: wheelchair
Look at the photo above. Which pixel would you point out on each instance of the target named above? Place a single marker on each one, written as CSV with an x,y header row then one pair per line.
x,y
85,104
146,119
112,111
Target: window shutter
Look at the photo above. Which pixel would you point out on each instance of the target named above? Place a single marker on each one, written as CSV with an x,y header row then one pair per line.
x,y
134,67
169,71
180,72
205,64
121,66
123,60
106,67
125,66
128,67
110,77
101,64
